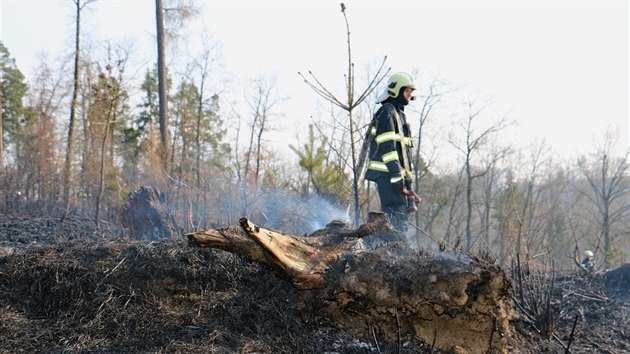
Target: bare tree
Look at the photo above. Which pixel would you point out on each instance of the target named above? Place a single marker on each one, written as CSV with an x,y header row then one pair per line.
x,y
526,213
202,67
607,188
488,191
432,97
262,104
349,105
262,98
454,185
475,138
79,5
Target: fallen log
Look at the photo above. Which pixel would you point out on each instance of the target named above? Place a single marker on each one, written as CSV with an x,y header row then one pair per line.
x,y
369,278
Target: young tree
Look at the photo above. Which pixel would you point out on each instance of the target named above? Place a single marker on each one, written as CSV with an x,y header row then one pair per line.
x,y
325,178
200,71
198,151
108,105
349,105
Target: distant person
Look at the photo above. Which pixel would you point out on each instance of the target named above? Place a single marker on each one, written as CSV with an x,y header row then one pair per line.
x,y
389,158
588,263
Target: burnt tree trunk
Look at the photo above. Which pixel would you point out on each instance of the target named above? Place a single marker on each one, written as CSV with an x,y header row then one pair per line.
x,y
147,217
368,278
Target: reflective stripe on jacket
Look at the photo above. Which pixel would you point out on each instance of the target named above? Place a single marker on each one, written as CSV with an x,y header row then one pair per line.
x,y
385,154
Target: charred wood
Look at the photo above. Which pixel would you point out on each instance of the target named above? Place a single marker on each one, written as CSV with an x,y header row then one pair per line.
x,y
146,216
369,278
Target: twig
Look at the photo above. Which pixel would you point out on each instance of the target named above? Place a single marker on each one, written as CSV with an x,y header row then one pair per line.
x,y
434,338
440,241
567,351
399,337
591,298
572,333
375,340
116,267
108,273
175,180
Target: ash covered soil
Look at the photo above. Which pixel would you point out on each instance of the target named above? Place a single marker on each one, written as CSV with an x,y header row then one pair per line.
x,y
73,289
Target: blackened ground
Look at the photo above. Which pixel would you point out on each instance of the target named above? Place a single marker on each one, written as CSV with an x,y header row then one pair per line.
x,y
70,288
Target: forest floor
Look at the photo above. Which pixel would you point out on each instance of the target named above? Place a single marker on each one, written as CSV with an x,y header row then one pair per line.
x,y
73,289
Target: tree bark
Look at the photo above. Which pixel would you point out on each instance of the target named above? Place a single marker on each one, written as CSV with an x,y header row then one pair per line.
x,y
1,134
73,104
370,276
162,89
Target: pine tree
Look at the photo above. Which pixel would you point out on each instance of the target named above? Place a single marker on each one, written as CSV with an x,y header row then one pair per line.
x,y
12,93
324,177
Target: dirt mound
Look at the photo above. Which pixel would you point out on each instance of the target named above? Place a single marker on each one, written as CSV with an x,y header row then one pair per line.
x,y
76,289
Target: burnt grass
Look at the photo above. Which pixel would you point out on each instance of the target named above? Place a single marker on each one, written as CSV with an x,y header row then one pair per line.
x,y
69,288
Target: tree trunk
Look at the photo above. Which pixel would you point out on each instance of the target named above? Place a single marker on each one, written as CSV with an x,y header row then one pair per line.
x,y
469,180
101,189
162,90
1,135
73,104
369,278
196,212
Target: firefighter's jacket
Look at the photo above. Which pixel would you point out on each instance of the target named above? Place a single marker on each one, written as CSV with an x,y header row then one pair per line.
x,y
385,155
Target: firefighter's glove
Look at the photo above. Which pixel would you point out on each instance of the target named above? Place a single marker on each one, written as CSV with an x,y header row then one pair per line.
x,y
410,193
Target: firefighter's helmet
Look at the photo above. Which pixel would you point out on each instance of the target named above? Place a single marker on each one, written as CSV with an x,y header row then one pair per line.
x,y
394,84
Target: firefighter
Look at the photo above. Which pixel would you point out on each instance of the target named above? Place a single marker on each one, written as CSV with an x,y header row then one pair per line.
x,y
588,263
389,158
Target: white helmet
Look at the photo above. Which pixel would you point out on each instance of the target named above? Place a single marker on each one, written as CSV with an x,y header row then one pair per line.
x,y
588,253
394,84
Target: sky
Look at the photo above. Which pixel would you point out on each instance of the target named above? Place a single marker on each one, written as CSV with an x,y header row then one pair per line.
x,y
559,69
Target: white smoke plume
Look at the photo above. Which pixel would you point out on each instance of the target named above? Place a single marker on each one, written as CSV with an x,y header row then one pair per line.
x,y
294,214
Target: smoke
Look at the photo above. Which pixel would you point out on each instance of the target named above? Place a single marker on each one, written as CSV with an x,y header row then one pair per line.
x,y
453,257
294,214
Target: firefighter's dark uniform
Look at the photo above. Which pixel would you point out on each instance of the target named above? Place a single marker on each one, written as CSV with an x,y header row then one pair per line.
x,y
588,264
385,160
